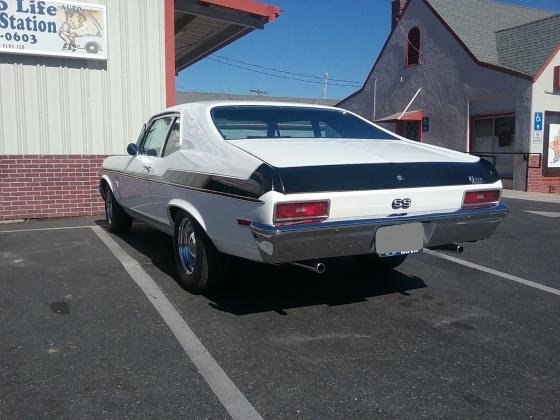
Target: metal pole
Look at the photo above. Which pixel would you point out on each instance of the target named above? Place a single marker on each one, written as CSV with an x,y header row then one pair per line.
x,y
326,85
410,103
374,95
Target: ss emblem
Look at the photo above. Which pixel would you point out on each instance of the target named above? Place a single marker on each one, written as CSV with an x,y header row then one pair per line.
x,y
401,203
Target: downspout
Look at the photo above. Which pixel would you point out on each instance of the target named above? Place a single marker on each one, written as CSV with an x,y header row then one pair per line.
x,y
374,95
468,124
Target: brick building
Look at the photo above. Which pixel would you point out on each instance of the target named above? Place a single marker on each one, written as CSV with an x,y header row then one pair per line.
x,y
78,80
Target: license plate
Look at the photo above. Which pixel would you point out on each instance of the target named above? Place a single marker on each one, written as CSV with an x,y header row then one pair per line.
x,y
399,239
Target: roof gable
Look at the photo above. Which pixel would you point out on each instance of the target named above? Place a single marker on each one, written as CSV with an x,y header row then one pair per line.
x,y
477,23
526,47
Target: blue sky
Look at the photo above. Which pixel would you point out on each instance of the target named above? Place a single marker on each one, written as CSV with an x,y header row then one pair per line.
x,y
311,37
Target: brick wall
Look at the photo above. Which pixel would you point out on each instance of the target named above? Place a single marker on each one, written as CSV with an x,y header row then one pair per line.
x,y
536,182
40,186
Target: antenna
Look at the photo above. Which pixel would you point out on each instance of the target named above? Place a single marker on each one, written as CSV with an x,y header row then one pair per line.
x,y
258,92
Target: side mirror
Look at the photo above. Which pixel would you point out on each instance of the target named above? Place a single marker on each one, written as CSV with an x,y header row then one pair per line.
x,y
132,149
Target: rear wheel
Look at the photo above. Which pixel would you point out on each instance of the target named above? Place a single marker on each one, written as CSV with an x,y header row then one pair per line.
x,y
118,220
200,266
373,262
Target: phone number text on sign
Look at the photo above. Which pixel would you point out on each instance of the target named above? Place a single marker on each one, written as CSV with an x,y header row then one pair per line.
x,y
32,39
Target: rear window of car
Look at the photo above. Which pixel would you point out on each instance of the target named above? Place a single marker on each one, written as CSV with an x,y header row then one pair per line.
x,y
270,122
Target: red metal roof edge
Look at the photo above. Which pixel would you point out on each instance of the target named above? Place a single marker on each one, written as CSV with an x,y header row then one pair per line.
x,y
407,116
250,6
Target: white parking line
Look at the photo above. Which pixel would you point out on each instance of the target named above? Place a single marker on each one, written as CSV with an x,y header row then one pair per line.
x,y
45,229
229,395
544,213
62,228
494,272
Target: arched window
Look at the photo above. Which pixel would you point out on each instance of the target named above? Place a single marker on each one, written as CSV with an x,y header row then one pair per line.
x,y
413,47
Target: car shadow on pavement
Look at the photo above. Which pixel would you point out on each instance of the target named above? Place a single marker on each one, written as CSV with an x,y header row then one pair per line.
x,y
254,287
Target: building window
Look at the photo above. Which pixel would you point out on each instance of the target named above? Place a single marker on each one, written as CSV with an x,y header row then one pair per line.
x,y
493,138
413,47
556,86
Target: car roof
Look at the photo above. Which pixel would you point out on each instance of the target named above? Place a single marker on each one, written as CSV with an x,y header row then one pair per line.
x,y
212,104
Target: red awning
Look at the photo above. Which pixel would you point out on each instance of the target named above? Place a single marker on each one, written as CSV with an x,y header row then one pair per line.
x,y
407,116
204,26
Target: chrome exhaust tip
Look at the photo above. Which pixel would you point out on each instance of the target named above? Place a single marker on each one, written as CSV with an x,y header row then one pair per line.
x,y
458,249
318,268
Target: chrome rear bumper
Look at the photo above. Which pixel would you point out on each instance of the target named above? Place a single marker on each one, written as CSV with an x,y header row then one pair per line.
x,y
278,244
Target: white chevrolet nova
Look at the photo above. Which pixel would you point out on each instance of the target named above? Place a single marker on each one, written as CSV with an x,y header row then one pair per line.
x,y
292,183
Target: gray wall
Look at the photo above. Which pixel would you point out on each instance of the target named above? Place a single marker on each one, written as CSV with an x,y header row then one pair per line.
x,y
448,77
62,106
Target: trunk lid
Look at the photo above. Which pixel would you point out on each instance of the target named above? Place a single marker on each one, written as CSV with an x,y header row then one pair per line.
x,y
283,153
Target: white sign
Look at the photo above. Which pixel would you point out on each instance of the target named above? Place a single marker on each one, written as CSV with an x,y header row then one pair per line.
x,y
554,146
537,137
53,28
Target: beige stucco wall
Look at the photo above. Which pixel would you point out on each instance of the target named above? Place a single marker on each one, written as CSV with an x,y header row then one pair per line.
x,y
543,101
52,105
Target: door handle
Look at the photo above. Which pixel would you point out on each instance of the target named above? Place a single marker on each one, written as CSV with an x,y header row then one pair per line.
x,y
147,168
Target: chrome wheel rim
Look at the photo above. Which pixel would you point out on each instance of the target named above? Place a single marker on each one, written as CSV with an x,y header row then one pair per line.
x,y
108,206
186,242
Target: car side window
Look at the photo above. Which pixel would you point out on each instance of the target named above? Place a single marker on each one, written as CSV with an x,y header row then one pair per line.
x,y
155,136
174,141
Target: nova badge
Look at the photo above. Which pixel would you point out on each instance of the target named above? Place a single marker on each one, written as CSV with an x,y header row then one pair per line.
x,y
476,180
401,203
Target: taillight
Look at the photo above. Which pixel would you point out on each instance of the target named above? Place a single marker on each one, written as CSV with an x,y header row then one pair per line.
x,y
305,212
480,199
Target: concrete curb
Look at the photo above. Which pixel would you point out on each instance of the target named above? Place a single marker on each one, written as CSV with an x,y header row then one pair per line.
x,y
531,196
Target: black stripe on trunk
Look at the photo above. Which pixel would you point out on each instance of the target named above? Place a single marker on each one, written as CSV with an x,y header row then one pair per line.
x,y
382,176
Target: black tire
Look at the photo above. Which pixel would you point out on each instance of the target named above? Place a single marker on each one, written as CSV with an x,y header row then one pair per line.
x,y
201,268
118,220
373,262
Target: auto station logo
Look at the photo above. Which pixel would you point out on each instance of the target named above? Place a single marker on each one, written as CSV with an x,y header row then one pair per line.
x,y
52,27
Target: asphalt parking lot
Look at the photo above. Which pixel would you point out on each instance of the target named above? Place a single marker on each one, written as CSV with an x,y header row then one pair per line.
x,y
85,337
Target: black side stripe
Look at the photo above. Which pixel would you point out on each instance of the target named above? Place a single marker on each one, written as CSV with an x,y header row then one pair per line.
x,y
210,184
262,180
